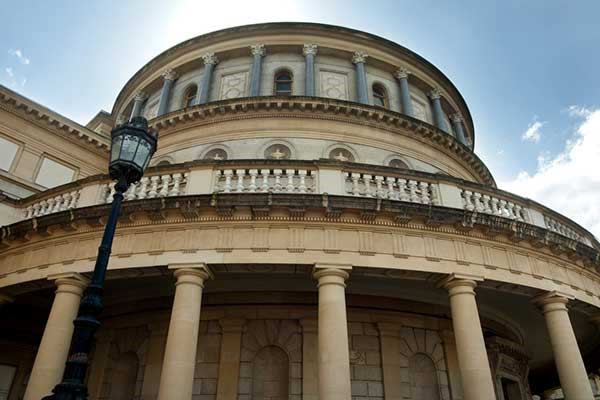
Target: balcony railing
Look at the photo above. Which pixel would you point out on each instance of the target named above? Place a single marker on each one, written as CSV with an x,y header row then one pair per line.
x,y
302,177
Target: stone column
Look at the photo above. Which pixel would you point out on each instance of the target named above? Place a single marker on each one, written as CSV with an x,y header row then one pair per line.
x,y
169,77
334,357
309,51
457,123
210,60
229,360
405,100
473,361
177,377
258,52
138,102
438,113
362,90
154,360
569,363
391,364
310,360
452,363
49,363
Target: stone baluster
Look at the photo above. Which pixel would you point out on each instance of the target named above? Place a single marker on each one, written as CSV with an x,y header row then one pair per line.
x,y
169,77
111,192
405,99
228,174
253,174
309,51
468,199
130,193
457,123
50,205
436,106
302,184
265,173
176,184
359,59
412,189
74,199
510,208
142,191
29,212
502,208
58,203
494,206
277,173
165,183
424,187
477,202
210,60
289,173
379,187
258,52
392,194
402,190
153,192
138,102
367,182
240,173
485,200
517,209
355,183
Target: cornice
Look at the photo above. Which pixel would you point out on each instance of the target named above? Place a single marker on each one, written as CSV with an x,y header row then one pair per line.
x,y
326,109
366,211
49,120
297,28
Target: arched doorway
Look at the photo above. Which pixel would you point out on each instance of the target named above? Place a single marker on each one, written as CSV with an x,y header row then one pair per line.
x,y
423,378
270,377
124,376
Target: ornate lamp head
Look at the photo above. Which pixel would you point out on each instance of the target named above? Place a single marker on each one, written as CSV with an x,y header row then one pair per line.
x,y
132,147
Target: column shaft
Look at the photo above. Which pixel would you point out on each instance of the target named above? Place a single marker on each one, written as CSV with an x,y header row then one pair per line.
x,y
438,113
258,51
569,363
457,123
177,377
229,360
138,102
209,64
165,94
473,361
405,99
362,90
309,51
49,363
334,357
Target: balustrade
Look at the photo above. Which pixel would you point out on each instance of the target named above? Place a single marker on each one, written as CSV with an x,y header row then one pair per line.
x,y
391,187
265,180
60,202
150,187
487,204
557,227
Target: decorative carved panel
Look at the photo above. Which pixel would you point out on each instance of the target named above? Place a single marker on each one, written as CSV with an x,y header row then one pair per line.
x,y
233,85
334,85
151,110
419,109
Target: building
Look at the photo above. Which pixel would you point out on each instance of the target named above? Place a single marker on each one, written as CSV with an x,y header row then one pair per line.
x,y
315,225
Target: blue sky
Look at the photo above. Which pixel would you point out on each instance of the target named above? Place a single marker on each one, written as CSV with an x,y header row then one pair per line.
x,y
527,69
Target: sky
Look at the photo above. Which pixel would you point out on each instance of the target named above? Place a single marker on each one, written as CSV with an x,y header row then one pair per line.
x,y
528,70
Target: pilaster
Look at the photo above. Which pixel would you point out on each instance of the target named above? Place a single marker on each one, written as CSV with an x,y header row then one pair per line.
x,y
229,364
310,359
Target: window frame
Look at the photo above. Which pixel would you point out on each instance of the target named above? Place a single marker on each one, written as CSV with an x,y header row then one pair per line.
x,y
385,96
186,95
40,162
17,156
276,80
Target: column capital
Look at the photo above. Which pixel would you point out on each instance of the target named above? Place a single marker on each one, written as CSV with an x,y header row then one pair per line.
x,y
169,75
210,58
456,117
69,282
191,273
232,325
460,283
552,301
402,73
359,57
331,274
309,49
435,93
140,96
258,50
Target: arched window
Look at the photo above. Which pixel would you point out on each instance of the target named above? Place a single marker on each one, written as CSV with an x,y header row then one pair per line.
x,y
163,162
189,97
270,380
124,377
380,98
283,83
423,378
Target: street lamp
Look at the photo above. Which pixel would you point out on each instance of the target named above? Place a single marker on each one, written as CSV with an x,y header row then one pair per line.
x,y
132,147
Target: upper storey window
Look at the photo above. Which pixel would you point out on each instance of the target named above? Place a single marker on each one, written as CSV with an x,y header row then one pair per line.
x,y
283,83
189,97
380,98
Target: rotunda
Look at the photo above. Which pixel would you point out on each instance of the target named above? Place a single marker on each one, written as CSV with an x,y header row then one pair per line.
x,y
315,225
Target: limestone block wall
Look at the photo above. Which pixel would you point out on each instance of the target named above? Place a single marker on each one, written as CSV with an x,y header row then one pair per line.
x,y
208,356
365,361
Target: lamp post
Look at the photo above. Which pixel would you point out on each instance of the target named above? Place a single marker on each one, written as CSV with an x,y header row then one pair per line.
x,y
132,147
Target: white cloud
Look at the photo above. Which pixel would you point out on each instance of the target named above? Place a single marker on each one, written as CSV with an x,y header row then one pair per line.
x,y
570,181
9,72
19,54
533,134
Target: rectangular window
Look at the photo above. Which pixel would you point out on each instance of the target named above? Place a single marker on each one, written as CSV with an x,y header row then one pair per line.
x,y
53,174
7,374
8,152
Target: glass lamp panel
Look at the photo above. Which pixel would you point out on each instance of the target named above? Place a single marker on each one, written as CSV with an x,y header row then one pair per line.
x,y
116,148
128,148
142,157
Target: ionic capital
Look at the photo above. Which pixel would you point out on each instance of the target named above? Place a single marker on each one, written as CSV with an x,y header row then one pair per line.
x,y
359,57
210,58
169,75
140,96
309,49
435,93
456,118
402,73
258,50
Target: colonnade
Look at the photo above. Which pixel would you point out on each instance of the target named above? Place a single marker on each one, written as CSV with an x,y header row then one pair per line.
x,y
331,334
359,59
